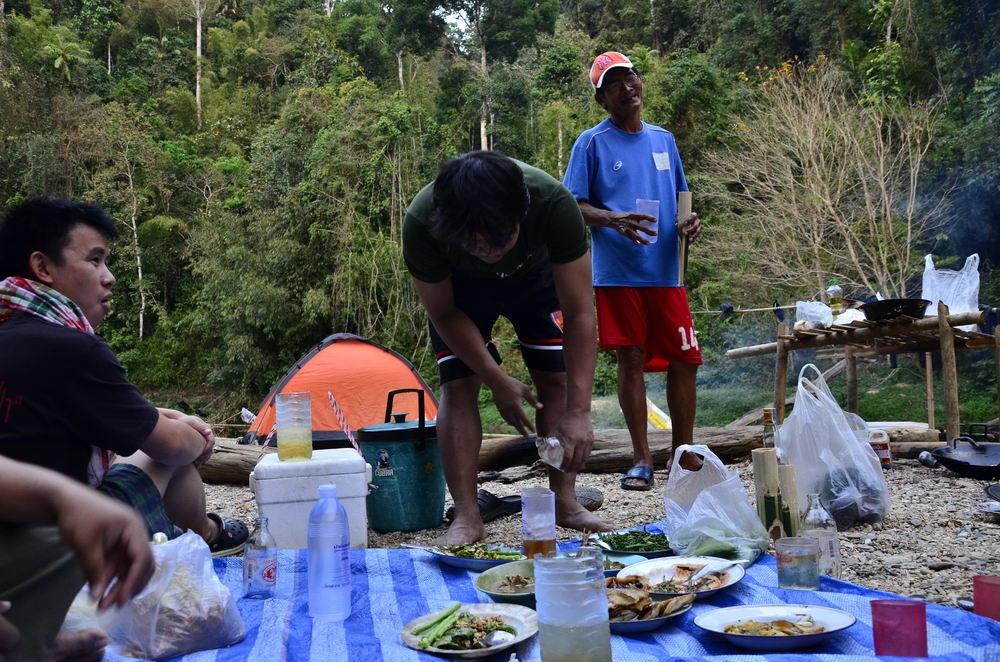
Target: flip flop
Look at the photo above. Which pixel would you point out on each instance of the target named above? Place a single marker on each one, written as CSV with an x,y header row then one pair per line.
x,y
638,473
491,506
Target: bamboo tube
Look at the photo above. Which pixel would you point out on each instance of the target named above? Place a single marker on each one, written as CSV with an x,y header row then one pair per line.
x,y
765,465
949,372
758,456
790,498
852,380
780,376
929,377
683,211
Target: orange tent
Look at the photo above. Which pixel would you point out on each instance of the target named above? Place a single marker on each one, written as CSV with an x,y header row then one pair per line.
x,y
360,374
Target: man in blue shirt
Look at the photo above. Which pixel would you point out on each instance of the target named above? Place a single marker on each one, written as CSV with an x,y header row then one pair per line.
x,y
617,167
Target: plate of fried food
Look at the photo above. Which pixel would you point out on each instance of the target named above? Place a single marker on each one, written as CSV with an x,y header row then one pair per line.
x,y
632,609
476,557
775,627
470,630
684,575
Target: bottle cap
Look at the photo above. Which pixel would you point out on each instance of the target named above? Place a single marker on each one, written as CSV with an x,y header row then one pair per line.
x,y
327,491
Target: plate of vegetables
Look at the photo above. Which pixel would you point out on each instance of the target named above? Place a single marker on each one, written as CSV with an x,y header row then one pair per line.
x,y
476,557
650,545
471,630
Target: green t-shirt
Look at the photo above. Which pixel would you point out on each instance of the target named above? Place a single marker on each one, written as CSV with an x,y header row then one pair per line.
x,y
552,230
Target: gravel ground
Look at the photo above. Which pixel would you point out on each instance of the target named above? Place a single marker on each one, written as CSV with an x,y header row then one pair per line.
x,y
930,546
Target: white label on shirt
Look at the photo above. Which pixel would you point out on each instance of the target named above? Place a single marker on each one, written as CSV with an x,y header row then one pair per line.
x,y
662,160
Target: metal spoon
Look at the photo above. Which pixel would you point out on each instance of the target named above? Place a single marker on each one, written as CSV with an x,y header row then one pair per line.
x,y
497,637
709,569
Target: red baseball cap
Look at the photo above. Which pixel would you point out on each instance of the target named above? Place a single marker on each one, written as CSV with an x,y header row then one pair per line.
x,y
604,63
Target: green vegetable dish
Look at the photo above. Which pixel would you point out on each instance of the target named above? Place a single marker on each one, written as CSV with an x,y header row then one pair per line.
x,y
635,541
481,551
459,631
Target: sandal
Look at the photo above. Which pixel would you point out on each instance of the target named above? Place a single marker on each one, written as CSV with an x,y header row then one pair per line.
x,y
491,506
640,473
232,536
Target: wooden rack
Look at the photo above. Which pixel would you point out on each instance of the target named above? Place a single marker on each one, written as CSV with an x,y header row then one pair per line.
x,y
896,336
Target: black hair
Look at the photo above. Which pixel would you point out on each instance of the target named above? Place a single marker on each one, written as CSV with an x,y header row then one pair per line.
x,y
478,196
44,224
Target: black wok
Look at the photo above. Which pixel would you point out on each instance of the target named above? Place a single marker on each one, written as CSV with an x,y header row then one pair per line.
x,y
888,309
975,459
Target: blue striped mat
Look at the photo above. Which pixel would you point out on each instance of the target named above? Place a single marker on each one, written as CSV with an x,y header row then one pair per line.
x,y
394,586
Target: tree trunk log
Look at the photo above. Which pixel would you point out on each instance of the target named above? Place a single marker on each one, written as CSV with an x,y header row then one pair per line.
x,y
232,462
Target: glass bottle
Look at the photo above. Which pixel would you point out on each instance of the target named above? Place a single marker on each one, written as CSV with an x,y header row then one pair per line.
x,y
819,524
260,562
769,429
835,297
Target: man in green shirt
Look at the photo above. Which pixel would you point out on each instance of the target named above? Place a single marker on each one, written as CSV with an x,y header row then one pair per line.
x,y
495,237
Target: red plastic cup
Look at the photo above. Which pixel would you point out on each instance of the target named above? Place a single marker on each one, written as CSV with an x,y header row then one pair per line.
x,y
986,596
900,627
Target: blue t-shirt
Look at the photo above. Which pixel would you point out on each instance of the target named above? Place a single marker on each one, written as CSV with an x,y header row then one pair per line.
x,y
611,169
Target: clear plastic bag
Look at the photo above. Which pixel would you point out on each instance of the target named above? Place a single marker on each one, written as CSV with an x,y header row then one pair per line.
x,y
183,609
817,313
831,454
959,290
708,512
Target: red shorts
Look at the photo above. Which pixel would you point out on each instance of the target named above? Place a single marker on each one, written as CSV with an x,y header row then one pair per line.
x,y
655,318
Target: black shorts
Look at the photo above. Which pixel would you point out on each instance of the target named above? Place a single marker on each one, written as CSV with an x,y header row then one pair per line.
x,y
531,305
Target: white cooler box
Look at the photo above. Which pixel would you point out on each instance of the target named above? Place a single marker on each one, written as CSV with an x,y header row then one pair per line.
x,y
287,491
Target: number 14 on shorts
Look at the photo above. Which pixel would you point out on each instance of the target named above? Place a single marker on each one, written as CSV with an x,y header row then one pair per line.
x,y
689,339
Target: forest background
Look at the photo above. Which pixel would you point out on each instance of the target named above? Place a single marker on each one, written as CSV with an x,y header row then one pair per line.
x,y
259,155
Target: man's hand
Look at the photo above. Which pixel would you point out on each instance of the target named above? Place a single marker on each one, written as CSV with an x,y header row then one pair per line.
x,y
691,227
9,635
576,434
509,395
110,540
205,430
630,224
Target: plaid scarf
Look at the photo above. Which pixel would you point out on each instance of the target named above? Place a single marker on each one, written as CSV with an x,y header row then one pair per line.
x,y
21,295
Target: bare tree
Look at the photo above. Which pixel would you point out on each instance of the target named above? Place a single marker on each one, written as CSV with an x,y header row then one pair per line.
x,y
197,10
821,186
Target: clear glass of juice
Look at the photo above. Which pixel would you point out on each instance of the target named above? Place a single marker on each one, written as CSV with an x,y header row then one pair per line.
x,y
538,521
294,427
798,563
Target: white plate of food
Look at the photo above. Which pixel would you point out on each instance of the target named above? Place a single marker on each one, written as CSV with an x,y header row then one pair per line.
x,y
470,630
631,609
670,577
775,627
614,562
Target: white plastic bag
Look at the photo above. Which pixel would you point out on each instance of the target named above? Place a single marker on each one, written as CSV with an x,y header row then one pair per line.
x,y
183,609
832,457
959,290
708,511
816,312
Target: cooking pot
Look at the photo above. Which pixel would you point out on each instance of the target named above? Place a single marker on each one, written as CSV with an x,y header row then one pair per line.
x,y
887,309
980,459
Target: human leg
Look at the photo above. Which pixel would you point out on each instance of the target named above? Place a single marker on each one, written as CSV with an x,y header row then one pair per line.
x,y
460,433
682,401
632,398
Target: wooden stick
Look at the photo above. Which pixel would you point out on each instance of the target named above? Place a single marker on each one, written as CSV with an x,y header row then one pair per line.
x,y
860,335
780,376
996,336
949,372
929,378
852,380
683,211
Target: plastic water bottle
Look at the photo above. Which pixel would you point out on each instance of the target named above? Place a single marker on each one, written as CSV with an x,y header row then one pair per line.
x,y
835,297
329,558
260,562
550,451
819,524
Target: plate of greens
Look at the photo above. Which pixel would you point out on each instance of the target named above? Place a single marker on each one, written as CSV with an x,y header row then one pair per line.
x,y
650,545
470,630
476,557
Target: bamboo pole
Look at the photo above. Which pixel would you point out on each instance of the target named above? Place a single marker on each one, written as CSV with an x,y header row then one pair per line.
x,y
852,380
860,335
949,372
780,376
929,378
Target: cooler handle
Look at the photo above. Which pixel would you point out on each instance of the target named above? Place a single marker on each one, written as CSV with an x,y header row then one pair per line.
x,y
420,409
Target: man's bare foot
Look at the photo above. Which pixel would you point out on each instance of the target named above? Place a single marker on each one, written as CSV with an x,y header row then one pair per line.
x,y
462,532
79,646
575,516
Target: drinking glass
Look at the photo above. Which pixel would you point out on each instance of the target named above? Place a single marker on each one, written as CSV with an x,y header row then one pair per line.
x,y
572,608
294,427
652,208
900,628
538,521
798,563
